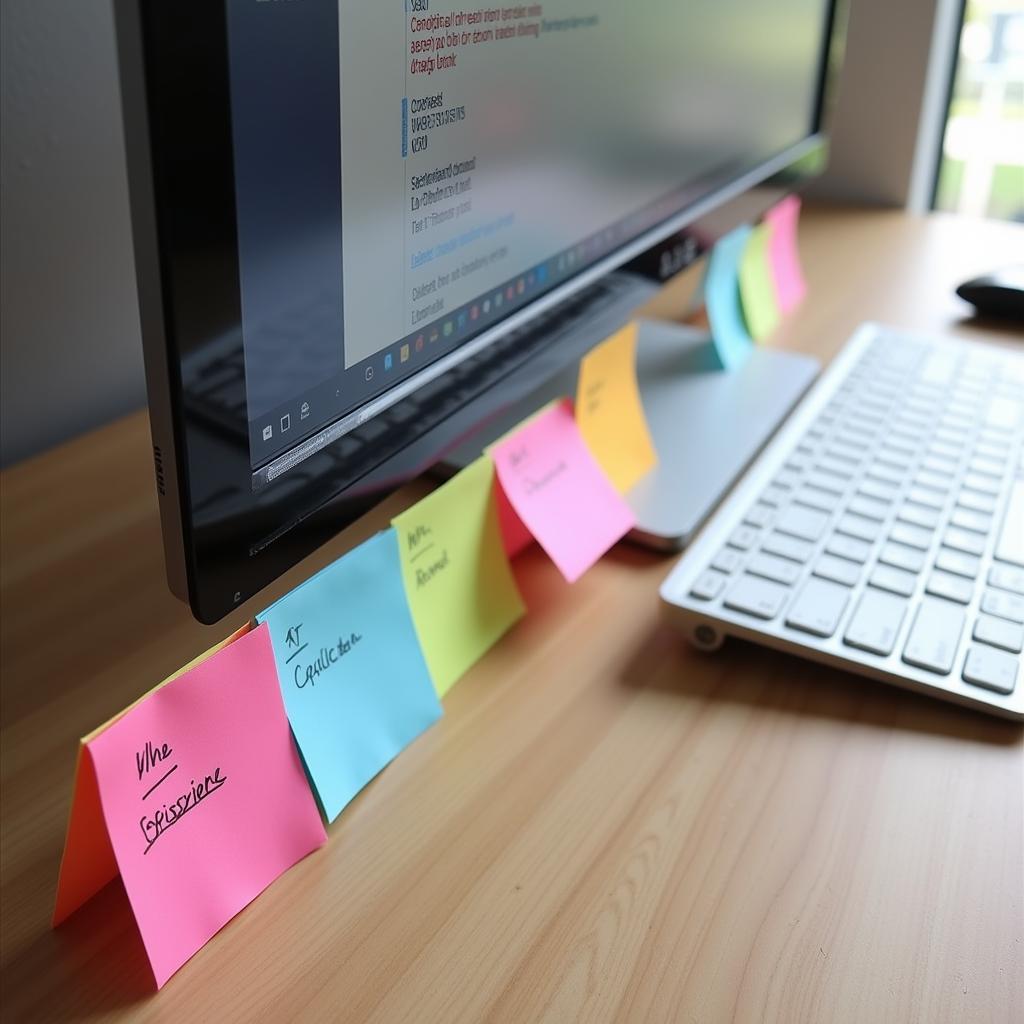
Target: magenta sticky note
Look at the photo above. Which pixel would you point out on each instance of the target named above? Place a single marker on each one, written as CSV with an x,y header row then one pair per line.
x,y
784,255
204,798
560,492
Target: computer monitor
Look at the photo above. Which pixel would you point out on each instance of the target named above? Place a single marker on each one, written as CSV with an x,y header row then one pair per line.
x,y
363,229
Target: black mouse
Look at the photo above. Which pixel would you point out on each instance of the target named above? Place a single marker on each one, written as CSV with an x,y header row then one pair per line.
x,y
1000,294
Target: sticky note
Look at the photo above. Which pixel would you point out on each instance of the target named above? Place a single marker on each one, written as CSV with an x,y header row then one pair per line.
x,y
757,285
88,863
784,255
560,492
722,299
457,578
203,798
356,688
610,412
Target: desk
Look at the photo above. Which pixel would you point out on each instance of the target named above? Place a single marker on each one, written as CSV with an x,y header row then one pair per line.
x,y
604,826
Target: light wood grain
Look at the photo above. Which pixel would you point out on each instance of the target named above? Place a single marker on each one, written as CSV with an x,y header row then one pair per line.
x,y
604,826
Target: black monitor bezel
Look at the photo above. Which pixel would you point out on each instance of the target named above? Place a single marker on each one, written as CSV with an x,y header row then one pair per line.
x,y
176,99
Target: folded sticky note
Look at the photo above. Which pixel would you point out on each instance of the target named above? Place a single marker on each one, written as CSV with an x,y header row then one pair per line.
x,y
202,798
355,685
757,285
790,287
722,299
457,578
514,534
610,413
560,492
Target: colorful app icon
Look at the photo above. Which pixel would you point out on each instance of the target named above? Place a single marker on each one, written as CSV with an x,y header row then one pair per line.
x,y
487,306
462,321
433,336
419,343
520,286
474,313
448,327
403,354
387,361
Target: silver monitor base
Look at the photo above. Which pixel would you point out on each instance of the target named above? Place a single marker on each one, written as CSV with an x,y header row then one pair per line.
x,y
707,423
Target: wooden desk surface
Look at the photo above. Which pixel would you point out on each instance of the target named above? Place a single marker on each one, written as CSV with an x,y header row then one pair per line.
x,y
604,826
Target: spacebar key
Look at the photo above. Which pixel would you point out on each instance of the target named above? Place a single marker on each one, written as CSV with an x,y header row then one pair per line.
x,y
757,597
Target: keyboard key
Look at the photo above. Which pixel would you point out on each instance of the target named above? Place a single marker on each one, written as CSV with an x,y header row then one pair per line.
x,y
968,519
964,540
743,538
708,585
958,562
850,548
934,481
1003,604
935,636
1010,545
985,466
945,451
760,598
811,497
953,588
927,498
839,570
818,608
878,490
977,501
1002,414
902,557
870,508
787,479
787,547
759,516
728,560
886,473
859,527
774,496
1006,577
918,515
771,567
938,464
804,523
845,452
876,622
999,633
835,467
896,581
898,459
912,536
991,669
983,484
825,481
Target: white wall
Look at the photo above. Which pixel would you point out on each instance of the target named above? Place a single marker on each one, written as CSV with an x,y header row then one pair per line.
x,y
69,334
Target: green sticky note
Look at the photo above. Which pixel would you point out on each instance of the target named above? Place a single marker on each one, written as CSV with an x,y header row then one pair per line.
x,y
757,284
457,577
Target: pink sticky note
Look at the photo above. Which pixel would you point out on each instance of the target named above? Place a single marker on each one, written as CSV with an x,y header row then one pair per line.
x,y
514,535
560,492
790,287
204,799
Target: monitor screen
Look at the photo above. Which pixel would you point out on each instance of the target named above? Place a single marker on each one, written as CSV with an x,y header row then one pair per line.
x,y
408,176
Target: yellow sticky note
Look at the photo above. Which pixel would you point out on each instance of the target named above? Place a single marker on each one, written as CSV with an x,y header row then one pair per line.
x,y
757,284
457,578
610,414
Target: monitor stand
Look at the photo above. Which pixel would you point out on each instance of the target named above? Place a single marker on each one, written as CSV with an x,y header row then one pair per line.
x,y
708,424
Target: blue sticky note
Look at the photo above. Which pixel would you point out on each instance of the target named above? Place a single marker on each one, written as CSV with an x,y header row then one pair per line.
x,y
722,298
356,688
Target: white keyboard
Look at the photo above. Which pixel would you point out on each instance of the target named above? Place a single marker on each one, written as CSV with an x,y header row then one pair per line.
x,y
882,529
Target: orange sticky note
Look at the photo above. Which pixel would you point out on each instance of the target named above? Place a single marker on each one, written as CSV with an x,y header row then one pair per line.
x,y
203,798
610,413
